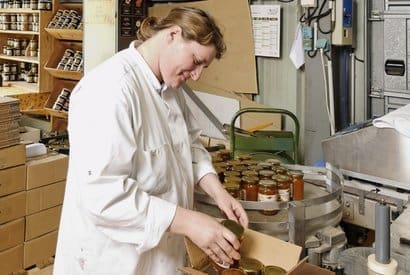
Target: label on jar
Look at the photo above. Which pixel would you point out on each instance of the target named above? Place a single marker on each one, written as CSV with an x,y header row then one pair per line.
x,y
263,197
284,194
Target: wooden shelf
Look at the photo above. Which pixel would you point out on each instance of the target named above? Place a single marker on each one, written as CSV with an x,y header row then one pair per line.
x,y
72,75
21,86
21,32
20,10
66,34
27,59
54,113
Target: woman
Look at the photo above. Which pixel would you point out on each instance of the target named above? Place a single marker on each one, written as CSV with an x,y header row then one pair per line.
x,y
135,158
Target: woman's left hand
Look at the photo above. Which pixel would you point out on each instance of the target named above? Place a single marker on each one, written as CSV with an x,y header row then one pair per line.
x,y
228,204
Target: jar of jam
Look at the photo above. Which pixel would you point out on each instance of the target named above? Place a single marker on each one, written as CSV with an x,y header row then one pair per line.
x,y
284,183
232,187
268,192
236,229
298,185
266,174
249,188
251,266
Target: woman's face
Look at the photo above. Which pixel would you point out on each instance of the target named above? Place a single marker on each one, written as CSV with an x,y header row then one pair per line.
x,y
181,60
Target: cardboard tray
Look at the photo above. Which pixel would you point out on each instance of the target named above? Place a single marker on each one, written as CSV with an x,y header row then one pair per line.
x,y
51,65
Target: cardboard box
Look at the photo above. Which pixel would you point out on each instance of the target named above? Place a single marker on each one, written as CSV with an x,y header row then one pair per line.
x,y
42,222
39,250
11,260
12,156
12,207
267,249
45,197
46,170
11,234
12,180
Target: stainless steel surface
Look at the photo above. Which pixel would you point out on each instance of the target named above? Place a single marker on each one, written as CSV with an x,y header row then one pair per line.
x,y
321,207
381,153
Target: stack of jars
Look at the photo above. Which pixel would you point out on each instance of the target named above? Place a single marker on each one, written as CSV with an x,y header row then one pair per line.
x,y
66,19
251,180
71,61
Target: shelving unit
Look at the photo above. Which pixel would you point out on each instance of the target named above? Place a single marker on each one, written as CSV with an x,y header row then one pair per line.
x,y
63,39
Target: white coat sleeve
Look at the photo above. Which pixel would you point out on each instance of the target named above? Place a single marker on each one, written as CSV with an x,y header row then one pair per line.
x,y
201,159
104,140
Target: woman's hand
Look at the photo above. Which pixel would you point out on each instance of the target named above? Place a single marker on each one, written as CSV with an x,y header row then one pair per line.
x,y
228,204
218,242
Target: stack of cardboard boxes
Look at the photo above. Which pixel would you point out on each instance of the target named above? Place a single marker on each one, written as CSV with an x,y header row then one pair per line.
x,y
31,195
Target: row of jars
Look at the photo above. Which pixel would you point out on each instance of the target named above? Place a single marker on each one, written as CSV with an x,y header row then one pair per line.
x,y
66,19
71,61
20,47
26,4
19,72
63,100
251,180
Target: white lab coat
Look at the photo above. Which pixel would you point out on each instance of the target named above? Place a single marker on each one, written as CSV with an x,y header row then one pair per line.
x,y
134,156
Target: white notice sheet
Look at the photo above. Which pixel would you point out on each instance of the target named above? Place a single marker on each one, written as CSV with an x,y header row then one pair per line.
x,y
266,29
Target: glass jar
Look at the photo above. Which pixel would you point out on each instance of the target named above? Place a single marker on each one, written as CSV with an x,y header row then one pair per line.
x,y
251,266
268,192
297,185
249,188
233,187
236,229
266,174
283,183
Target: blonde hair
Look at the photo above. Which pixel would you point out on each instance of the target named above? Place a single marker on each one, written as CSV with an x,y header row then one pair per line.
x,y
196,24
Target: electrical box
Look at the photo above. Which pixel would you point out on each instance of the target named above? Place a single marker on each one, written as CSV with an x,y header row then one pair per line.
x,y
343,29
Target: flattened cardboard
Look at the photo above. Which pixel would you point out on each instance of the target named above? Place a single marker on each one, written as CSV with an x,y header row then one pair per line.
x,y
46,170
11,260
12,207
12,180
236,70
45,197
42,222
39,250
11,234
12,156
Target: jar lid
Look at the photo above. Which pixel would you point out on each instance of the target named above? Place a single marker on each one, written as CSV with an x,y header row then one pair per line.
x,y
232,179
250,265
282,178
266,173
267,182
296,174
274,270
250,179
273,161
235,227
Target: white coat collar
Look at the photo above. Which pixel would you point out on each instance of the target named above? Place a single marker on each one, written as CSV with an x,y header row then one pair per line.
x,y
145,68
